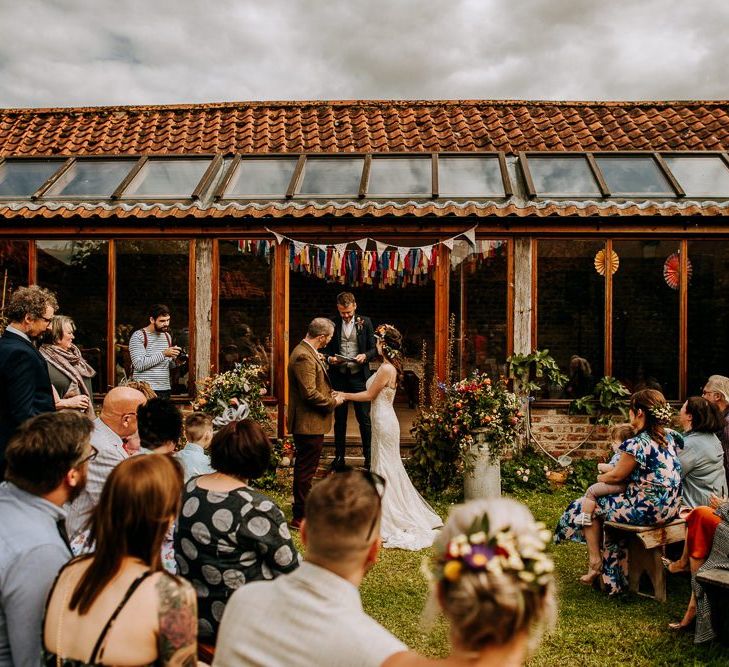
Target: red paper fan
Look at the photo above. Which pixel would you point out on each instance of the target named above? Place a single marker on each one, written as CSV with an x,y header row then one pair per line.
x,y
672,270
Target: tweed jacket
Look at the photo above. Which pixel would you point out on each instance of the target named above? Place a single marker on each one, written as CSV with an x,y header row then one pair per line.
x,y
311,404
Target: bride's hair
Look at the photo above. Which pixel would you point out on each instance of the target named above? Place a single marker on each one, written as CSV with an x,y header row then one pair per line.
x,y
391,340
492,578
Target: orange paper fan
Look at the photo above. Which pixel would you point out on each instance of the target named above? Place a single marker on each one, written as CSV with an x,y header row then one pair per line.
x,y
672,270
601,262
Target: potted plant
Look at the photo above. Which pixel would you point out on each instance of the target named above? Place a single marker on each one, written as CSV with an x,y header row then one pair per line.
x,y
608,401
531,371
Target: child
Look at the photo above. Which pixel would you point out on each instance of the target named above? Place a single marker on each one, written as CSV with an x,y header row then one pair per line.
x,y
199,433
618,434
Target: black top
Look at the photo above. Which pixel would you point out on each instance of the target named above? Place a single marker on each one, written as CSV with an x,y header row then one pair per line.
x,y
365,341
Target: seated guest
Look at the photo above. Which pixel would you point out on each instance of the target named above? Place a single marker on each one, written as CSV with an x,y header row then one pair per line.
x,y
314,616
228,533
118,606
493,581
702,457
199,434
118,420
160,426
69,372
46,467
716,391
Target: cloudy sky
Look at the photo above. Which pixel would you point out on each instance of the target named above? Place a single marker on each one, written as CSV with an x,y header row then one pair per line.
x,y
97,52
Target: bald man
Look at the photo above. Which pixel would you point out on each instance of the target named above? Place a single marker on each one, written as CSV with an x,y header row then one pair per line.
x,y
117,421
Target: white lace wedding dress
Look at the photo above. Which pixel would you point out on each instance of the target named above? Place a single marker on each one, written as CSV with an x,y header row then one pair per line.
x,y
408,522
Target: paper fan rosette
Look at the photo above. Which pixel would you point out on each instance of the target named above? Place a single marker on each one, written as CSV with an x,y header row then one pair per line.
x,y
602,263
672,270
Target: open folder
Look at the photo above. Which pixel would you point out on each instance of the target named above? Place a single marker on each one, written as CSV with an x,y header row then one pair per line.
x,y
341,357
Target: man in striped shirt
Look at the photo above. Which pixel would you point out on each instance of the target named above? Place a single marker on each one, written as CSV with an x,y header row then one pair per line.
x,y
152,351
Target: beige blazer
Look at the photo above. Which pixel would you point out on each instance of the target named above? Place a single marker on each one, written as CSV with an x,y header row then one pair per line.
x,y
311,404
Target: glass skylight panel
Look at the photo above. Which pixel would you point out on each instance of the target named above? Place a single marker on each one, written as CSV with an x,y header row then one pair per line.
x,y
21,178
91,178
470,176
331,176
563,176
700,176
634,175
167,179
401,177
261,178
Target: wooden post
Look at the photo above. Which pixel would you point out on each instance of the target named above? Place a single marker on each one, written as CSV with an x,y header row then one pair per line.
x,y
523,295
202,307
111,316
280,328
442,285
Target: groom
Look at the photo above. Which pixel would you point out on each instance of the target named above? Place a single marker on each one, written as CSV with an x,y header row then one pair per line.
x,y
354,337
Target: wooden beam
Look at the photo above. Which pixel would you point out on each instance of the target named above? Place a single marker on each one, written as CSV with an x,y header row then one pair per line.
x,y
608,337
510,297
280,329
32,263
215,313
442,283
523,251
111,315
201,308
683,321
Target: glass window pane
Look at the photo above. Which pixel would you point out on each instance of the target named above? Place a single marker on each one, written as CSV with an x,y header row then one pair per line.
x,y
150,272
478,300
13,266
700,176
245,305
91,178
400,177
634,175
167,178
645,318
21,178
261,178
708,312
571,312
77,272
332,176
459,177
563,176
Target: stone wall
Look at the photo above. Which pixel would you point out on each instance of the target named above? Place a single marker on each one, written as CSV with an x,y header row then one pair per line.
x,y
559,432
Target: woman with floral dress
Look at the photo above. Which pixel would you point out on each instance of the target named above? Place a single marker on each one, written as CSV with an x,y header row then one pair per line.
x,y
650,467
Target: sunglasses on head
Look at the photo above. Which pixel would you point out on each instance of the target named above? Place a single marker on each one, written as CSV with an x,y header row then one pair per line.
x,y
378,485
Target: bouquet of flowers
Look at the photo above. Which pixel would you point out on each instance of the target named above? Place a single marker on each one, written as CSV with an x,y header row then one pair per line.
x,y
244,383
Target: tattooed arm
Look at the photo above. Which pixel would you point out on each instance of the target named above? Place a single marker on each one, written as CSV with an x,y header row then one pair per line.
x,y
177,637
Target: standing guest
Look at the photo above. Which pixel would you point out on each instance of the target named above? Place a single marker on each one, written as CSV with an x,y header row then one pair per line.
x,y
354,337
311,404
25,389
702,457
117,606
118,420
716,390
47,460
160,426
70,374
152,352
228,533
314,616
194,456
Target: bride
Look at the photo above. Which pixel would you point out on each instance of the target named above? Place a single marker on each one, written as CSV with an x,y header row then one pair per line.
x,y
408,522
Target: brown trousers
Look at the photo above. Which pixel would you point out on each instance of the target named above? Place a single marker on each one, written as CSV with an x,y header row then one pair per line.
x,y
308,452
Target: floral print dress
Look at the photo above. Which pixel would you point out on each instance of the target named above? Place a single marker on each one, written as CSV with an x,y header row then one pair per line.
x,y
652,497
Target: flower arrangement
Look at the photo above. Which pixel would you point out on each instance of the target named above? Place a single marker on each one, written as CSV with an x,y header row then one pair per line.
x,y
215,394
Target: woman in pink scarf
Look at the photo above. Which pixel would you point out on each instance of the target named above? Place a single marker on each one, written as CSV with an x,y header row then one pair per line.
x,y
70,374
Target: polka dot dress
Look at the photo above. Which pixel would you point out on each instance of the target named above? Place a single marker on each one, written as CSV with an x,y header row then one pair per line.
x,y
225,539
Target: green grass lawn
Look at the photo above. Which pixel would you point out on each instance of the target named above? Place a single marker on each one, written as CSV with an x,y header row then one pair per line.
x,y
592,629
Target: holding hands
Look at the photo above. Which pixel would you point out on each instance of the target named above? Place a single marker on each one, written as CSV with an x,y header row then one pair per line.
x,y
716,502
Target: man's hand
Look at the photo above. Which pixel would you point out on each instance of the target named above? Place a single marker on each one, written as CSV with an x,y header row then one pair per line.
x,y
338,397
172,352
333,361
715,501
360,358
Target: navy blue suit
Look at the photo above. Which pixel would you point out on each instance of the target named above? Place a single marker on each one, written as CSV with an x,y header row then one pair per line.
x,y
25,388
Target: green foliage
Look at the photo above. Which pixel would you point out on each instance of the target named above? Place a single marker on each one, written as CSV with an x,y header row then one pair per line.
x,y
269,481
244,383
608,402
530,369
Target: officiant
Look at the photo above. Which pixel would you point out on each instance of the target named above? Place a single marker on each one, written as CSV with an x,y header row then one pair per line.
x,y
349,354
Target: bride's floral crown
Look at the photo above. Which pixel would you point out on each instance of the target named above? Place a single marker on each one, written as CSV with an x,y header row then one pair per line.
x,y
503,552
381,333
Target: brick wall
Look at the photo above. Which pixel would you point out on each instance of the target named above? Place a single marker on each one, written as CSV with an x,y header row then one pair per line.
x,y
560,432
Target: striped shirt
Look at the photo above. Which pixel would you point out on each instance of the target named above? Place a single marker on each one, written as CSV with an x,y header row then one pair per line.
x,y
150,364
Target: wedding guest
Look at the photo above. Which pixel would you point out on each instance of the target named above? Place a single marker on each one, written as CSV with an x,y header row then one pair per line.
x,y
716,390
118,606
229,533
493,582
194,455
69,372
314,616
141,385
47,460
160,426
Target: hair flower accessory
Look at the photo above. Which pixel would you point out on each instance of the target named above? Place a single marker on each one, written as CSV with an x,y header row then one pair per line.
x,y
662,413
388,348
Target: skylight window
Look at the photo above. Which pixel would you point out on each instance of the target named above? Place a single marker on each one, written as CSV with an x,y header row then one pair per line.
x,y
260,178
562,176
21,178
400,177
160,178
91,178
470,176
634,175
331,177
700,176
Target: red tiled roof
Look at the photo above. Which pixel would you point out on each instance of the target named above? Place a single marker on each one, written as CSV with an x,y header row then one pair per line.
x,y
367,126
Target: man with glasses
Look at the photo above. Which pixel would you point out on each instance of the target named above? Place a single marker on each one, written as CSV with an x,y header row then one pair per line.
x,y
25,388
47,463
716,391
314,615
118,420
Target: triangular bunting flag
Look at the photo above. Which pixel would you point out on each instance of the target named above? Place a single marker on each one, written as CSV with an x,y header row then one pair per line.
x,y
403,252
471,236
428,251
299,246
340,247
362,243
279,237
448,243
381,247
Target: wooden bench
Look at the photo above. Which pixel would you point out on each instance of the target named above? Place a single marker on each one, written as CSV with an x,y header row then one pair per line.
x,y
645,548
716,583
